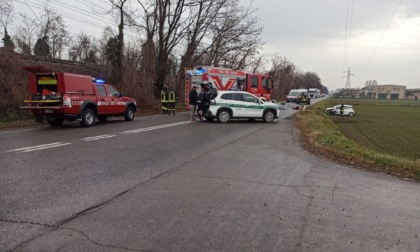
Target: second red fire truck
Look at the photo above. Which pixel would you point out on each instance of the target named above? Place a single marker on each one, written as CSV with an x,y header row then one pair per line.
x,y
260,85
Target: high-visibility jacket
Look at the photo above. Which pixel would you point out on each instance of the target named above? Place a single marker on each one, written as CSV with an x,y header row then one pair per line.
x,y
163,96
171,96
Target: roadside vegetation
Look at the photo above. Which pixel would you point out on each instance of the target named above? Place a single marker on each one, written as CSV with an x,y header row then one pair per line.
x,y
383,136
15,118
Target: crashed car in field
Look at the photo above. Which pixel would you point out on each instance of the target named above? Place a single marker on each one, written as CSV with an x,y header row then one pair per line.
x,y
347,110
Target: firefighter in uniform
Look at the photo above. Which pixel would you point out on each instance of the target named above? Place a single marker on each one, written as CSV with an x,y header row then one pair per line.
x,y
302,99
164,97
342,109
171,101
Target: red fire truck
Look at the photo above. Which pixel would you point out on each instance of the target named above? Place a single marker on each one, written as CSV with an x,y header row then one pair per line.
x,y
56,96
260,85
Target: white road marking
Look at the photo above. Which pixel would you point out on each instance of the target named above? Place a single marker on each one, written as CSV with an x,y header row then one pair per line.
x,y
155,127
97,137
39,147
86,139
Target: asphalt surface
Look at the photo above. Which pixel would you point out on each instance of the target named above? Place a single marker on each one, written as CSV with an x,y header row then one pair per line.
x,y
163,183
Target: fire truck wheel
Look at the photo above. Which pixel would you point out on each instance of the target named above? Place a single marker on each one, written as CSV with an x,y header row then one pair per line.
x,y
129,114
268,116
223,116
88,118
102,118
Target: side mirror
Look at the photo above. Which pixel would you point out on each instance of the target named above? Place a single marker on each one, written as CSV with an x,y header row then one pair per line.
x,y
120,95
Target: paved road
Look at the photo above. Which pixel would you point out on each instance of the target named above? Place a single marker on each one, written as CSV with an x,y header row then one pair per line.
x,y
162,183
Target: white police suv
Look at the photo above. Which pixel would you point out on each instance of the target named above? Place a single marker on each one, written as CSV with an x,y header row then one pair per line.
x,y
238,104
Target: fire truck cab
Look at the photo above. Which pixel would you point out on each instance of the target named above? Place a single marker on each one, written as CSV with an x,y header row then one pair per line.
x,y
261,85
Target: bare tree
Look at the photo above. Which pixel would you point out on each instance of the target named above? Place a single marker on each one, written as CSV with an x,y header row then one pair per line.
x,y
119,39
6,12
235,36
82,48
53,31
284,74
25,34
371,83
202,14
312,80
164,23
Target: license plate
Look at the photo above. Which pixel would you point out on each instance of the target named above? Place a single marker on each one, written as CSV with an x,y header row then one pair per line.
x,y
49,111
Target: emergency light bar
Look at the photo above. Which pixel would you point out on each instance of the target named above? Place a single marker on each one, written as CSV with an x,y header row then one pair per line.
x,y
98,81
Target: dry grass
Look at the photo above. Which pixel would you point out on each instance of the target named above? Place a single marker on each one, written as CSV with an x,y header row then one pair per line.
x,y
381,137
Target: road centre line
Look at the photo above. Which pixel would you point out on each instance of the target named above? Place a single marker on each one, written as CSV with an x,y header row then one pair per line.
x,y
155,127
39,147
97,137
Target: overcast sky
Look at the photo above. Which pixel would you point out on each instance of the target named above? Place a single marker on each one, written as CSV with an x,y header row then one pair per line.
x,y
313,35
376,39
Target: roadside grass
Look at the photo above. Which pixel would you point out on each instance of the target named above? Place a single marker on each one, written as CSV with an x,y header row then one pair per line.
x,y
383,136
15,118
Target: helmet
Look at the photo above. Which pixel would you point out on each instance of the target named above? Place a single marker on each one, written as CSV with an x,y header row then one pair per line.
x,y
165,87
206,84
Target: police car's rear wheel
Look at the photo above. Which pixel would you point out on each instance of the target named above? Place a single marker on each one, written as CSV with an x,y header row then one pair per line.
x,y
129,114
88,118
223,116
268,116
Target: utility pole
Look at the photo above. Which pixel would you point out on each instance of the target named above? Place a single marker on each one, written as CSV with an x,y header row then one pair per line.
x,y
348,83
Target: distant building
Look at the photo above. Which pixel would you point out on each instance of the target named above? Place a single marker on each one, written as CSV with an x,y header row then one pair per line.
x,y
349,93
412,94
386,92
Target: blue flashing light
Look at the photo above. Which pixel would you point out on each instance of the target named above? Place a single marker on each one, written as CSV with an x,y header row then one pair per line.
x,y
99,81
200,71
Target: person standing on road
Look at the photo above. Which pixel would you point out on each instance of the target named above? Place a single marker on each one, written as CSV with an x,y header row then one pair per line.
x,y
164,95
342,110
171,101
193,97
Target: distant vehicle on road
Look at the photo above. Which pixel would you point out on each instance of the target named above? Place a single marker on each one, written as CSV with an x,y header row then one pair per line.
x,y
298,96
348,110
239,104
314,93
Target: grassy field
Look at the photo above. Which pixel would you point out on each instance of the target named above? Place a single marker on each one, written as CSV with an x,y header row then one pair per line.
x,y
383,132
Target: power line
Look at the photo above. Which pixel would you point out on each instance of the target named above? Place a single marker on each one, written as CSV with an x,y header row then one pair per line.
x,y
66,15
32,11
347,36
356,50
73,17
383,35
93,5
89,14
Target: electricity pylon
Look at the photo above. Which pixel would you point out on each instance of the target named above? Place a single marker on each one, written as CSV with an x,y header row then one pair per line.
x,y
348,83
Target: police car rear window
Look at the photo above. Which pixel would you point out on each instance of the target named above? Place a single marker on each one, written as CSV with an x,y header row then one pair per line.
x,y
226,96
